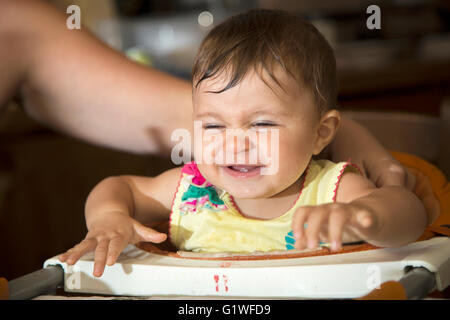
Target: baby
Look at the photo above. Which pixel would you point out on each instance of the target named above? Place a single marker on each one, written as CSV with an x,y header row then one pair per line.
x,y
262,74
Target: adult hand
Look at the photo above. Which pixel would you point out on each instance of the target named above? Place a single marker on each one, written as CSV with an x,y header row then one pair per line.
x,y
387,171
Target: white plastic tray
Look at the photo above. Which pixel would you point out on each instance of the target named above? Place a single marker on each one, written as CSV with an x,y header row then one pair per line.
x,y
347,275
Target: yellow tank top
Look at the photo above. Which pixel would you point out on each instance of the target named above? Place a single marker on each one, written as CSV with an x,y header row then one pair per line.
x,y
202,220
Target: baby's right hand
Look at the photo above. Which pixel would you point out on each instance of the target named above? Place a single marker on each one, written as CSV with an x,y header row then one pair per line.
x,y
108,238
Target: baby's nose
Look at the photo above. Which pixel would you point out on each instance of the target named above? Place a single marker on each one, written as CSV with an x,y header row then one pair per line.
x,y
240,145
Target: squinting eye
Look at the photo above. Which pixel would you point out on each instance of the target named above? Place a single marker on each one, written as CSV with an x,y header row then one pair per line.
x,y
263,124
212,126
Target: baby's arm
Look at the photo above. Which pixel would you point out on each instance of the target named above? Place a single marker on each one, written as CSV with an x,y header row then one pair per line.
x,y
386,217
396,214
115,211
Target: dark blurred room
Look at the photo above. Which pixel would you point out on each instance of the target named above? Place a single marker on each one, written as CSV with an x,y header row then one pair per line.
x,y
395,80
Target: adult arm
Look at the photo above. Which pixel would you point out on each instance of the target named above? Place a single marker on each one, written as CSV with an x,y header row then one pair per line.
x,y
356,143
74,83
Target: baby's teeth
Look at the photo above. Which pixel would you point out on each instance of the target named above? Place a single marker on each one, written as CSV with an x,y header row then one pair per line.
x,y
241,169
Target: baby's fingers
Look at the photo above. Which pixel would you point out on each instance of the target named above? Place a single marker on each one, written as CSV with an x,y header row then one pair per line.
x,y
315,221
100,257
365,219
363,222
336,226
298,223
144,233
74,254
362,219
116,246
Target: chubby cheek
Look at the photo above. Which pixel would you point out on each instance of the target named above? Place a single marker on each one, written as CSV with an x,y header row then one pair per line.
x,y
291,167
291,153
210,173
207,148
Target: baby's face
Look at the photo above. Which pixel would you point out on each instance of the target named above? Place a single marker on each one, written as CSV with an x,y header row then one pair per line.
x,y
278,127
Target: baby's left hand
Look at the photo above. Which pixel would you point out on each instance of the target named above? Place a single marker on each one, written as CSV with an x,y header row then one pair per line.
x,y
332,219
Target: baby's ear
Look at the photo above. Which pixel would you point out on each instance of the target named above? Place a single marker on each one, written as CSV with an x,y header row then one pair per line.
x,y
328,126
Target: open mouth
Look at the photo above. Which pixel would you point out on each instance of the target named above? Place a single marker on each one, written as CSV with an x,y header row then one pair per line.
x,y
243,171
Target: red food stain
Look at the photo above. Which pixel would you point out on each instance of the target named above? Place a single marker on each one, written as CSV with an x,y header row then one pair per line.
x,y
225,264
225,279
216,280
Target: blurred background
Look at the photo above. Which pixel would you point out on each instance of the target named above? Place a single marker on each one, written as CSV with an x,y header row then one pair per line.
x,y
395,81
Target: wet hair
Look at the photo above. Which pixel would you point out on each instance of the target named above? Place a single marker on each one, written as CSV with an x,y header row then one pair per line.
x,y
260,40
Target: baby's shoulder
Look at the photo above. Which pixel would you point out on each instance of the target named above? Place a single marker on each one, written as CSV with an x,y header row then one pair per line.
x,y
324,170
334,181
352,186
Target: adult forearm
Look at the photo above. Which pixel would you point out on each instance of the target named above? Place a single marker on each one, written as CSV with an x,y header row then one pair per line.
x,y
399,216
74,83
354,141
15,53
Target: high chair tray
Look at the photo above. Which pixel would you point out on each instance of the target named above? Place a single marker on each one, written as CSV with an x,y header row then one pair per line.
x,y
346,275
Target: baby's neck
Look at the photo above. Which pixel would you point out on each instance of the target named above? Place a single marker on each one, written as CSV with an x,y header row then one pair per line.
x,y
273,207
